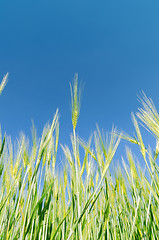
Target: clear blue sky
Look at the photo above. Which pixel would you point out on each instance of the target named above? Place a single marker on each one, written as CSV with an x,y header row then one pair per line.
x,y
112,45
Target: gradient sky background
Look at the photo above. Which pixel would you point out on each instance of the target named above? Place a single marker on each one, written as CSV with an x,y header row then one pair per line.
x,y
112,44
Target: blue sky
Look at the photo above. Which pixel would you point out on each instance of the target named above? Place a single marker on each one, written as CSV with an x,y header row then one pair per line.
x,y
112,45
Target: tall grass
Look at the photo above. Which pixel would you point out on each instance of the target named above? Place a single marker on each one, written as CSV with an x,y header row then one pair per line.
x,y
87,201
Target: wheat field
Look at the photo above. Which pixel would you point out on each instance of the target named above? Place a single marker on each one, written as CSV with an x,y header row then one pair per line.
x,y
86,201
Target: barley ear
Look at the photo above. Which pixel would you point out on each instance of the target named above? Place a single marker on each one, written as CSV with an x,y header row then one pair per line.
x,y
75,101
3,83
